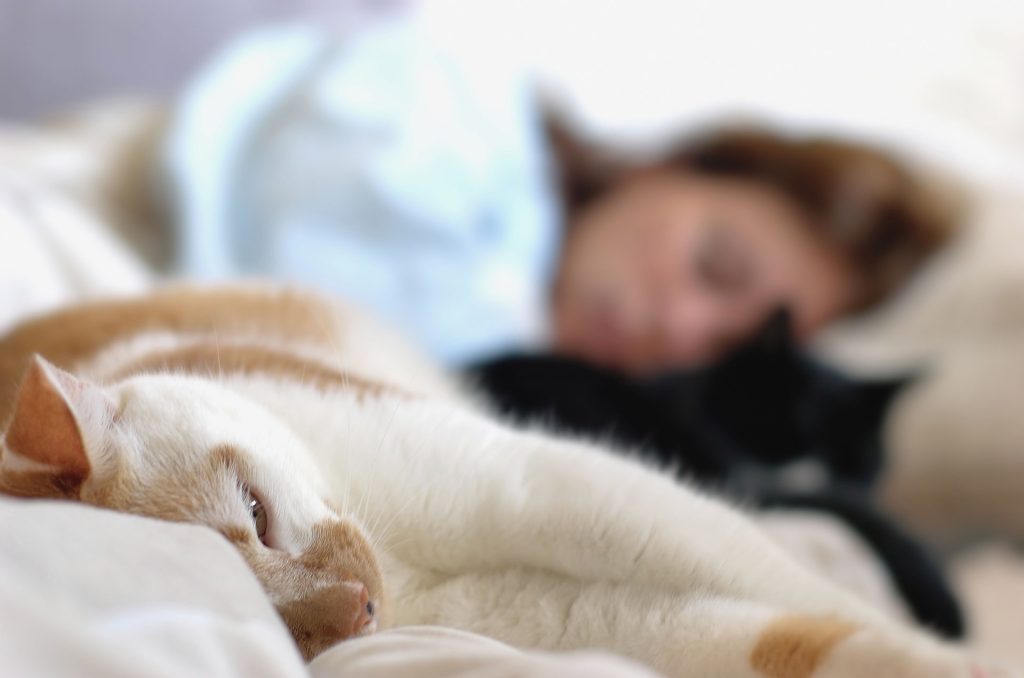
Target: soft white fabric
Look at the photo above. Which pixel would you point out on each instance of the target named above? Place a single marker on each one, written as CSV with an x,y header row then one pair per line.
x,y
54,252
422,651
86,592
939,80
53,247
402,167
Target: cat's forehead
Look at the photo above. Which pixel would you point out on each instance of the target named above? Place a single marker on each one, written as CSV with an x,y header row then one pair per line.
x,y
186,401
183,430
194,415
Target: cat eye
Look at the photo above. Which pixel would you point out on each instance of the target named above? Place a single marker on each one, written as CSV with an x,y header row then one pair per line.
x,y
259,515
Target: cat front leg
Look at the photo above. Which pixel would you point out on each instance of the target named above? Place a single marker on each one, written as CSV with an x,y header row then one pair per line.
x,y
682,636
474,495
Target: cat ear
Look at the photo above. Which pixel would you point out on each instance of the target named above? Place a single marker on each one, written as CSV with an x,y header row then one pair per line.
x,y
45,451
776,334
876,395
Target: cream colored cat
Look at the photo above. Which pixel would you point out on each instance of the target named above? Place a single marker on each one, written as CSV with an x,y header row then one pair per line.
x,y
365,491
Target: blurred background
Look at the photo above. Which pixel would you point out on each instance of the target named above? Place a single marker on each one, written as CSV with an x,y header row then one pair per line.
x,y
936,86
942,77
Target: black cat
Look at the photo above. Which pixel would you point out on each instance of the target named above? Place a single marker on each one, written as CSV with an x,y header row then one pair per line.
x,y
745,422
767,424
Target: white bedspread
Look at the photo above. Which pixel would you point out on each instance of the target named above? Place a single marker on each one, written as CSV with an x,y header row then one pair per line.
x,y
173,600
53,250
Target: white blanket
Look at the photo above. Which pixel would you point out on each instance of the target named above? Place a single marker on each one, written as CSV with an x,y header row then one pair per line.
x,y
53,250
177,600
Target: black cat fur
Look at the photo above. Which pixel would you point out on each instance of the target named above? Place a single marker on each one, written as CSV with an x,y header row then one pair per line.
x,y
759,410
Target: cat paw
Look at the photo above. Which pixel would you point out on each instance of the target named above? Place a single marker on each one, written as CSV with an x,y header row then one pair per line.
x,y
877,655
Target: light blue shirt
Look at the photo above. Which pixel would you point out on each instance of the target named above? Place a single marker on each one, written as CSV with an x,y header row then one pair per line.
x,y
406,173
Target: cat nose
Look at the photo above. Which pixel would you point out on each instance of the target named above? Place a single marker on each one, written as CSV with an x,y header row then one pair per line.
x,y
364,613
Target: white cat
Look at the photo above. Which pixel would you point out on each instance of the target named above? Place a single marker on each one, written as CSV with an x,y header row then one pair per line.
x,y
365,491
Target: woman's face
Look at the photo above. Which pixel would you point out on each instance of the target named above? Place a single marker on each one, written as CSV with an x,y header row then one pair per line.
x,y
670,270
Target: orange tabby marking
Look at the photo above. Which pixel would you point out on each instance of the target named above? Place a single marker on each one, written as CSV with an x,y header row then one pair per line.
x,y
68,336
793,647
209,357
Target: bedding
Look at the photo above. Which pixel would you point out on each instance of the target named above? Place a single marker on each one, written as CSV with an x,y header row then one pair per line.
x,y
55,252
140,611
144,611
294,138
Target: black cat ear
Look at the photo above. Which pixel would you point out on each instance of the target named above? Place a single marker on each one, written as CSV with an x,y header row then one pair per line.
x,y
776,334
877,394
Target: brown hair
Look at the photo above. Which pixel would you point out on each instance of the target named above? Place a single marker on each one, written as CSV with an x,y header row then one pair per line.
x,y
883,219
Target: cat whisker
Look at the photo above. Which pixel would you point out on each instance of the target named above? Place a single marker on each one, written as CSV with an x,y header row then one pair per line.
x,y
379,539
388,427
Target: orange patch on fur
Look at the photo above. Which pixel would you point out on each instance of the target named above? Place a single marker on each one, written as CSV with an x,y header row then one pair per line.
x,y
40,485
213,358
71,335
236,534
793,647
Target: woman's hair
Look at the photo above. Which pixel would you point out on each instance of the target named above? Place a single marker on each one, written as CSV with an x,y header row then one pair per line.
x,y
883,219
